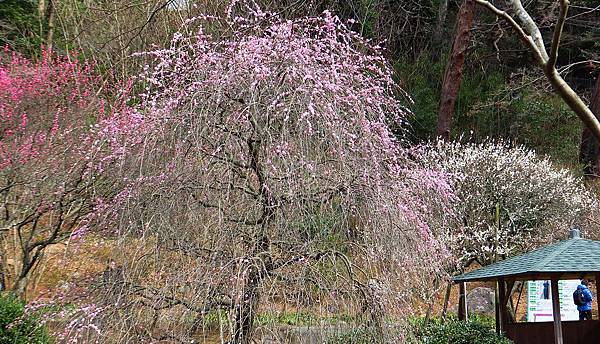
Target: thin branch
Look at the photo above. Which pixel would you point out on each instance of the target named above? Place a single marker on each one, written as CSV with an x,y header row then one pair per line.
x,y
560,23
588,11
539,56
150,17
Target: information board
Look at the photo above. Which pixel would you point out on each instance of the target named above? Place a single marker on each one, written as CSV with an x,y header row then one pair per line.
x,y
539,300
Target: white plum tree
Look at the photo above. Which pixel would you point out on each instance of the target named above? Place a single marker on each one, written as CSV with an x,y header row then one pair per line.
x,y
537,201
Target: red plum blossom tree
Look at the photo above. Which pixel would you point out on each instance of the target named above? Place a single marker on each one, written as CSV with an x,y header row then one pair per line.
x,y
54,133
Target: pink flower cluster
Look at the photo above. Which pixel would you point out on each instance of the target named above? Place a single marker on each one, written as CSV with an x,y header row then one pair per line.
x,y
80,320
319,98
42,103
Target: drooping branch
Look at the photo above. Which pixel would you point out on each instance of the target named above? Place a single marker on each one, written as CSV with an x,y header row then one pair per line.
x,y
278,180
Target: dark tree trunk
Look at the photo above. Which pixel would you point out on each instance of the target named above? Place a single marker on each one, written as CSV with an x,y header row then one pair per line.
x,y
454,68
439,31
247,306
22,280
246,309
446,300
589,152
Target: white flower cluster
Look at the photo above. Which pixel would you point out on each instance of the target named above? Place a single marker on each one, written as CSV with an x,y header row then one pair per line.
x,y
537,201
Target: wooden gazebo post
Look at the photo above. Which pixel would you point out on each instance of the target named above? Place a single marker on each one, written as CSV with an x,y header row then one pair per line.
x,y
558,336
501,309
462,301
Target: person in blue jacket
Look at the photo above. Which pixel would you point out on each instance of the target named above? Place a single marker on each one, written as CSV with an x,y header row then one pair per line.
x,y
585,309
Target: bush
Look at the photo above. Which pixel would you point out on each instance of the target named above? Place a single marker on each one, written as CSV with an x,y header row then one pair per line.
x,y
17,327
539,120
453,331
476,87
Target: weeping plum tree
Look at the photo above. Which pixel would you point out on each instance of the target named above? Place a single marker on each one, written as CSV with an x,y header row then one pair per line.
x,y
537,202
268,178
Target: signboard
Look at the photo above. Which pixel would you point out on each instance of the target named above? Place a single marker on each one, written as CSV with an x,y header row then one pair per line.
x,y
539,300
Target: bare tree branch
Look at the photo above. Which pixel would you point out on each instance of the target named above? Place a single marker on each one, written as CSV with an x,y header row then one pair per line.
x,y
560,23
529,42
530,34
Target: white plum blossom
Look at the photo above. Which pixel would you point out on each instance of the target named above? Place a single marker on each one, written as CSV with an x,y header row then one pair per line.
x,y
538,202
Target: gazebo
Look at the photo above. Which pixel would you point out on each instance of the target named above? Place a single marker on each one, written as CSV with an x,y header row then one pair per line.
x,y
575,258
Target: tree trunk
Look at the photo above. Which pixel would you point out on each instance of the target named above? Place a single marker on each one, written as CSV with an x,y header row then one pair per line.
x,y
41,8
245,310
436,284
50,22
446,300
28,264
439,30
247,306
41,15
454,68
19,287
589,152
2,275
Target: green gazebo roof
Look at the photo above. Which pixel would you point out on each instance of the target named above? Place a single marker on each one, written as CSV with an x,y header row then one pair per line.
x,y
568,259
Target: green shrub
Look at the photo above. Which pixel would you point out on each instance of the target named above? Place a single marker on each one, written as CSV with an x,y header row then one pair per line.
x,y
423,79
293,319
16,327
489,104
453,331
